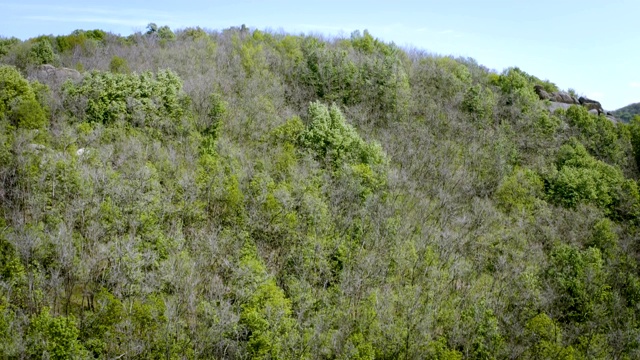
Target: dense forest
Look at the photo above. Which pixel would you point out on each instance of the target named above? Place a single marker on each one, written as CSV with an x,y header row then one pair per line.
x,y
250,194
628,112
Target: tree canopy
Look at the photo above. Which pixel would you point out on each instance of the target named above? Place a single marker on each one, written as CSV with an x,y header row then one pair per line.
x,y
253,194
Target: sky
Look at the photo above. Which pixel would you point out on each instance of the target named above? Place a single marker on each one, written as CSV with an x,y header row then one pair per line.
x,y
590,46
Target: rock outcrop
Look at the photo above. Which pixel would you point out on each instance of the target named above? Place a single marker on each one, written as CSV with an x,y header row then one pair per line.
x,y
50,74
563,100
560,96
591,104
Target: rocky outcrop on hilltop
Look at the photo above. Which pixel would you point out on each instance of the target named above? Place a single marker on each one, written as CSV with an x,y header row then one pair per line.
x,y
559,96
591,104
563,100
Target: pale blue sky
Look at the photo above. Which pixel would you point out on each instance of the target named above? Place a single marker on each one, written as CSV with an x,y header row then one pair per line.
x,y
591,46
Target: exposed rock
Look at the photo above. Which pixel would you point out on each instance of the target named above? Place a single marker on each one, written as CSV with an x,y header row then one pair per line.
x,y
594,106
553,106
542,94
50,74
591,104
560,96
566,98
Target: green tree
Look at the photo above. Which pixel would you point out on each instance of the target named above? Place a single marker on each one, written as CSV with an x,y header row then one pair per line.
x,y
18,103
41,52
55,337
119,65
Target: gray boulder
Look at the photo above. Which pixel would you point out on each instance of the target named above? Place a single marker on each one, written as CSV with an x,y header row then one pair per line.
x,y
591,104
553,106
566,98
560,96
542,94
50,74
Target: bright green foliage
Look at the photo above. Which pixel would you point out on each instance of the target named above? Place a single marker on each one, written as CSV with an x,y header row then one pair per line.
x,y
517,88
546,338
7,44
514,78
335,141
487,342
381,77
54,337
338,145
11,269
479,102
329,72
41,52
251,52
580,178
362,71
520,192
240,217
440,78
266,314
364,42
634,129
580,117
439,350
289,132
18,103
119,65
604,238
80,39
580,279
195,34
140,99
547,124
165,33
604,139
98,331
215,116
627,113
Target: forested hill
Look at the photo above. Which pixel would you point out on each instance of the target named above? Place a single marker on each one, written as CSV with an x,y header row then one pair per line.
x,y
248,194
628,112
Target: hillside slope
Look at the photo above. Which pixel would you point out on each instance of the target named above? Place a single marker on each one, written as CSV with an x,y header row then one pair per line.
x,y
628,112
245,194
